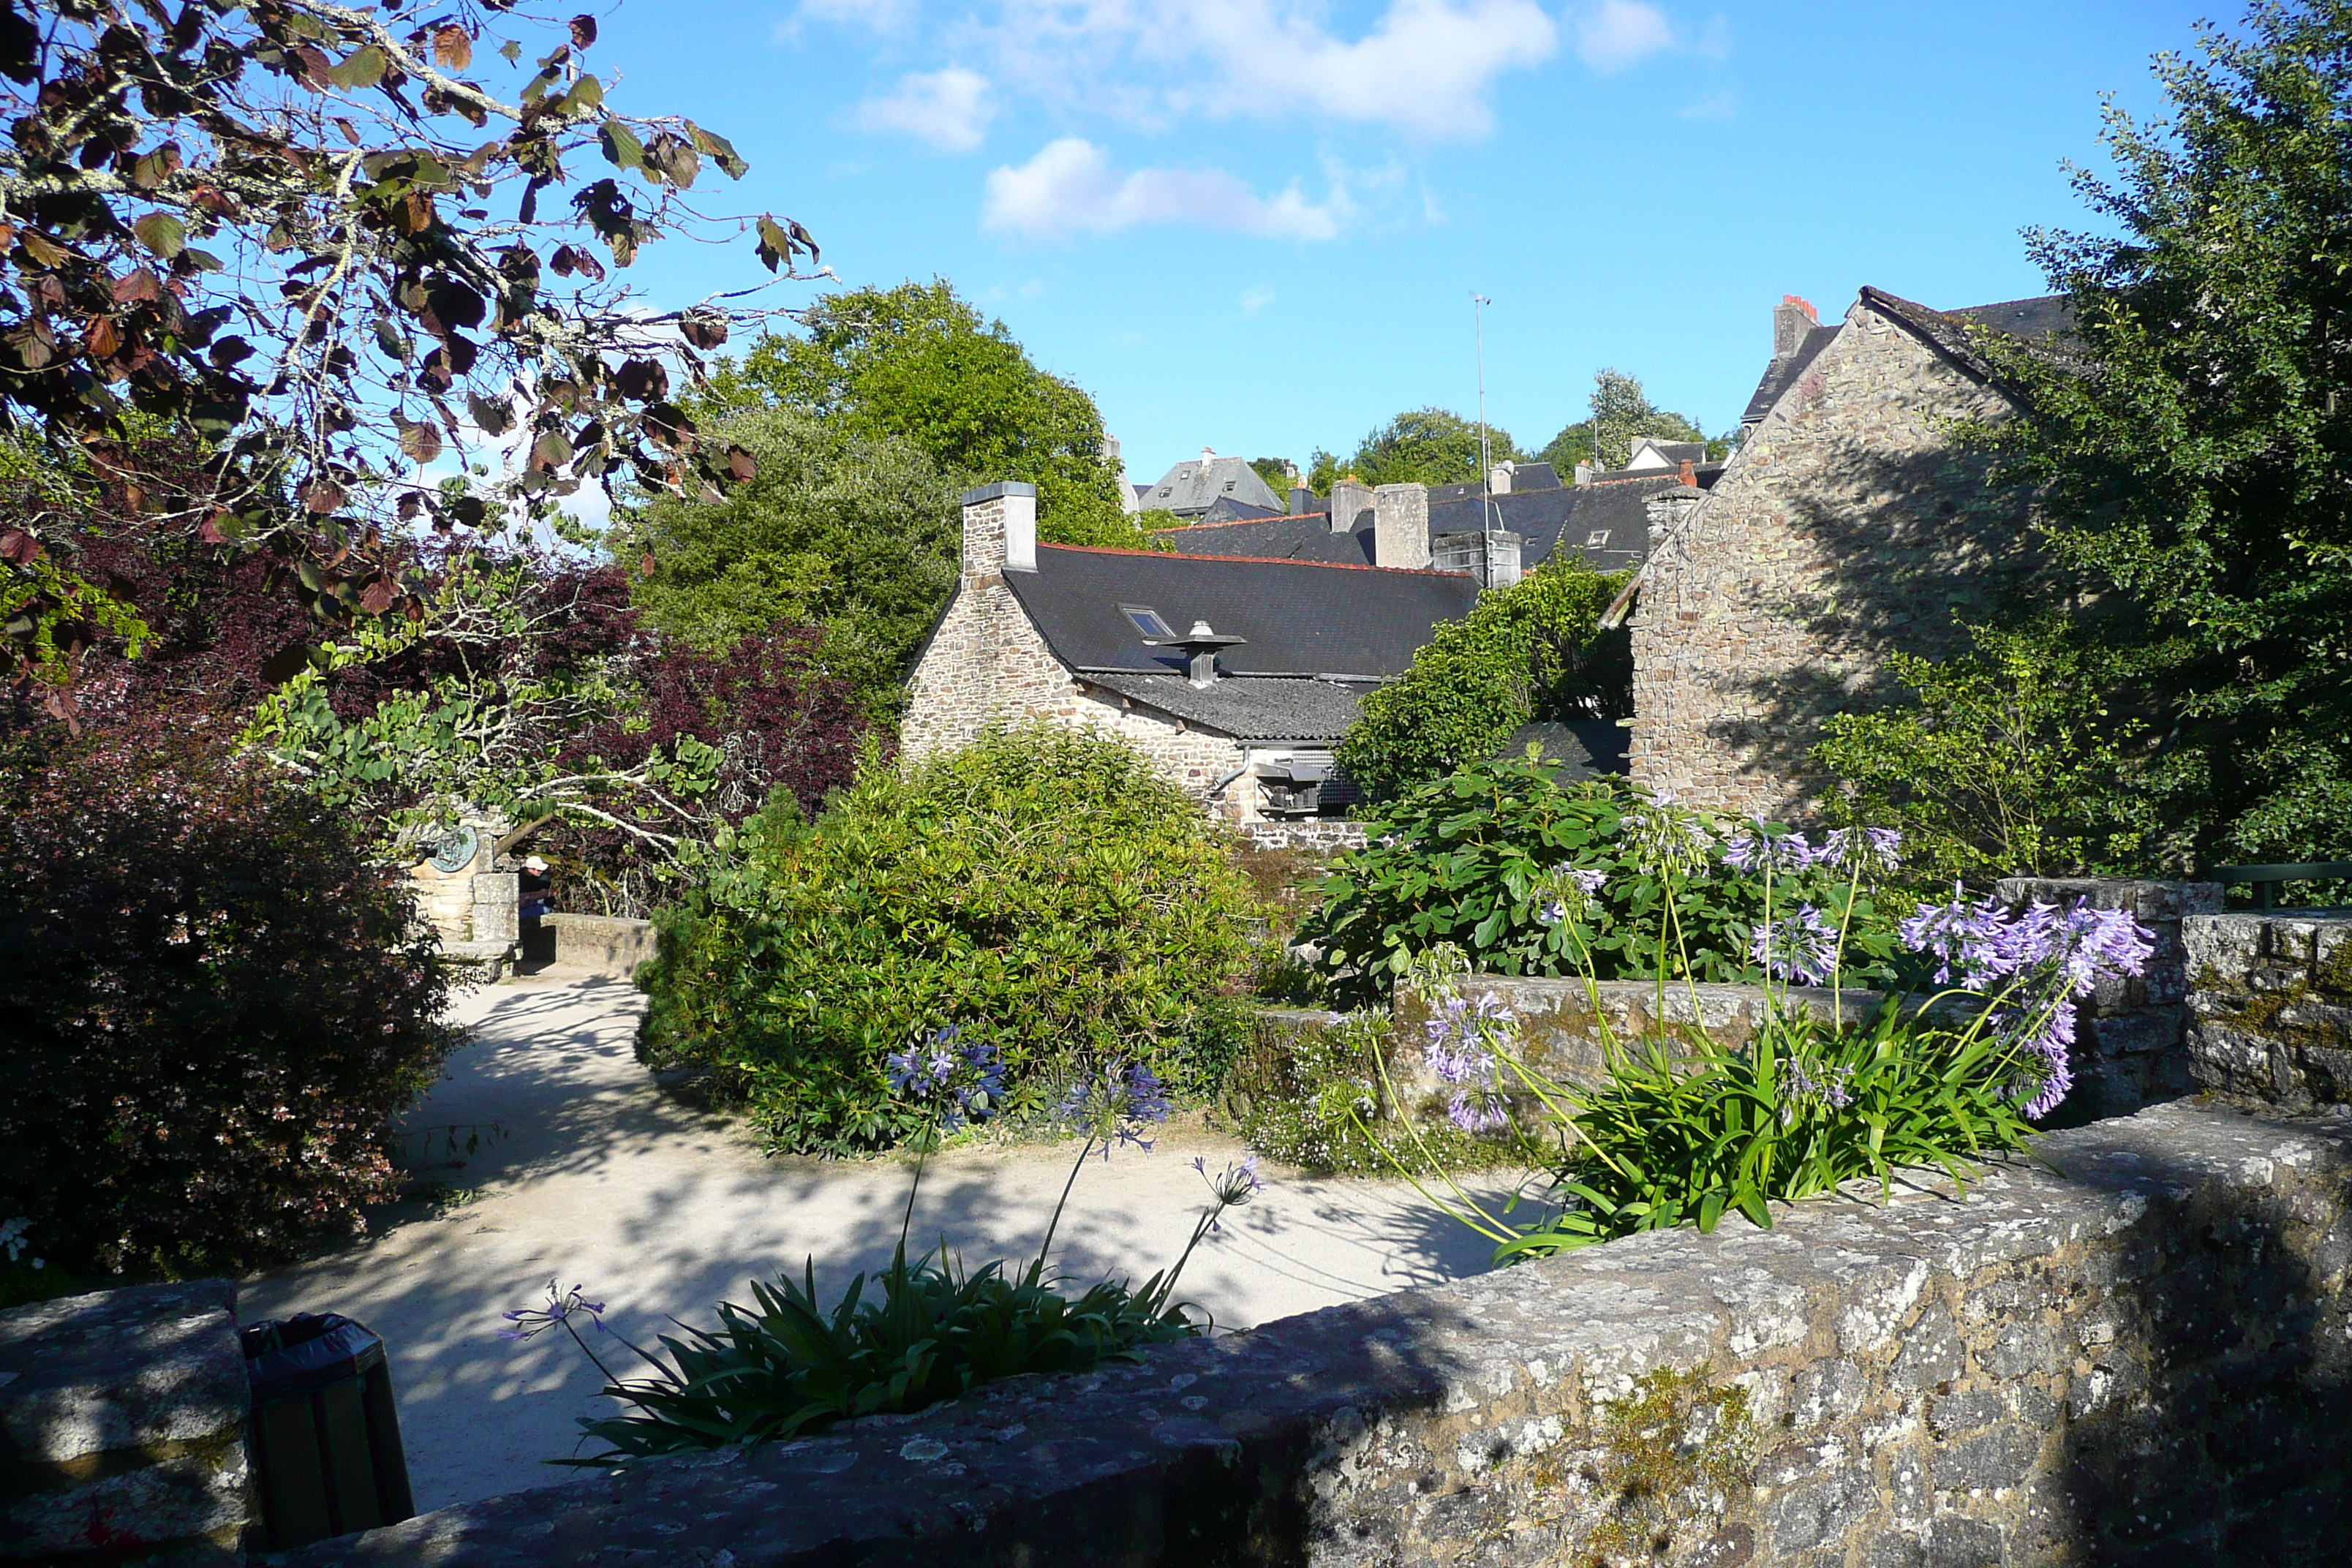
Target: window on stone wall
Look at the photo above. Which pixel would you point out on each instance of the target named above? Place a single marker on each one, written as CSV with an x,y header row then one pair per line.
x,y
1146,621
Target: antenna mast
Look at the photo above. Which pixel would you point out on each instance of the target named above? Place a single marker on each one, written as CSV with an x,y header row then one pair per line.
x,y
1478,303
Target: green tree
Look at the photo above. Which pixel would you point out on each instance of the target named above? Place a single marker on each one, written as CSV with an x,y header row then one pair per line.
x,y
855,534
270,227
920,364
2007,763
2192,448
1533,650
1279,474
1428,445
1622,411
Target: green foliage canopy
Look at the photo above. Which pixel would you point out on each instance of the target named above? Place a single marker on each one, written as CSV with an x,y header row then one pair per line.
x,y
1424,446
1044,891
1533,650
2193,446
855,534
2007,763
1621,412
1472,859
919,365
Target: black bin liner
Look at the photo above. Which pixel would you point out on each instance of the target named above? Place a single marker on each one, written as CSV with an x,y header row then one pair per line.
x,y
325,1436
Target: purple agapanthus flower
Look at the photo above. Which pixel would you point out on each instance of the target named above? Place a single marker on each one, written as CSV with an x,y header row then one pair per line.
x,y
1756,848
530,1322
1117,1104
1867,848
1800,947
2041,961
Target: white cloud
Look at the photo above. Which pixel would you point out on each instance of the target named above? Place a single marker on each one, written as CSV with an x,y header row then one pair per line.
x,y
1425,67
1615,34
1714,106
1255,299
1071,187
877,15
948,108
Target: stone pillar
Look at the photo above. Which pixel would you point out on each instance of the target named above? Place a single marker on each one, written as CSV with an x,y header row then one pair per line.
x,y
2130,1043
497,901
1351,499
1400,526
999,530
2270,1004
122,1414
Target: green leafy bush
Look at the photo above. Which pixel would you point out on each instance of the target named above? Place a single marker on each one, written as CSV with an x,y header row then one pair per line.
x,y
1315,1092
1476,860
2007,763
1533,650
214,1008
1044,888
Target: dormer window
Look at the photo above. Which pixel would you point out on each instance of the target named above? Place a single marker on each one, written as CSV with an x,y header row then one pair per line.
x,y
1229,484
1147,621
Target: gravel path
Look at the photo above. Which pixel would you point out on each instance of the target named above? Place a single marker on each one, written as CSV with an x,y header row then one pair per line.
x,y
660,1209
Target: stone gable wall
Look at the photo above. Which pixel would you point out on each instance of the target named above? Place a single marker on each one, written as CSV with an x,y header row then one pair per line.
x,y
1848,526
987,662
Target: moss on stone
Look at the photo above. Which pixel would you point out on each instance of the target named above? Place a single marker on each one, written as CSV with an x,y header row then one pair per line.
x,y
1674,1454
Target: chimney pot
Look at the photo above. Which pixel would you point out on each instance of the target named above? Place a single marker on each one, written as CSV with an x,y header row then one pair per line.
x,y
1688,473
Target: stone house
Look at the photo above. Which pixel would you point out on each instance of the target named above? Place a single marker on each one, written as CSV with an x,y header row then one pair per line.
x,y
1236,675
1850,524
1194,490
1529,518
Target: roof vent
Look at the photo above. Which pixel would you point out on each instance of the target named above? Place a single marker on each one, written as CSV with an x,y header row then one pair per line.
x,y
1200,648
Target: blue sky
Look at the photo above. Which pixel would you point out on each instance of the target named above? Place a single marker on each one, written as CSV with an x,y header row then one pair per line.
x,y
1257,224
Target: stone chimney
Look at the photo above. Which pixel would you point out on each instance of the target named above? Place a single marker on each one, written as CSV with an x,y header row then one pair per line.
x,y
1491,556
1688,473
1583,474
1669,506
1350,499
1793,318
999,530
1400,525
1127,501
1498,480
1302,500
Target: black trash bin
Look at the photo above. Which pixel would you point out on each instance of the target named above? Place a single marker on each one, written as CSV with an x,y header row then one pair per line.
x,y
326,1449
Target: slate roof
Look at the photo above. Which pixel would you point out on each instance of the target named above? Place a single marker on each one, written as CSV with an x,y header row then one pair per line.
x,y
1546,521
1784,370
1191,487
1249,707
1301,536
1299,619
1527,476
1675,452
1586,747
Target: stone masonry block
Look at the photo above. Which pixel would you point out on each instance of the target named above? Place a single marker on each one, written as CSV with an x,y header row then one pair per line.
x,y
123,1417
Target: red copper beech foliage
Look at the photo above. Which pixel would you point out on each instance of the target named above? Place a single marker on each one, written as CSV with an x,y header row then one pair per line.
x,y
216,1010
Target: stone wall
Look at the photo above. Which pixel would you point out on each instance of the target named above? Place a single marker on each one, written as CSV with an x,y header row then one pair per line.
x,y
602,943
2129,1042
987,662
2134,1353
1316,834
123,1417
1849,525
2270,1003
